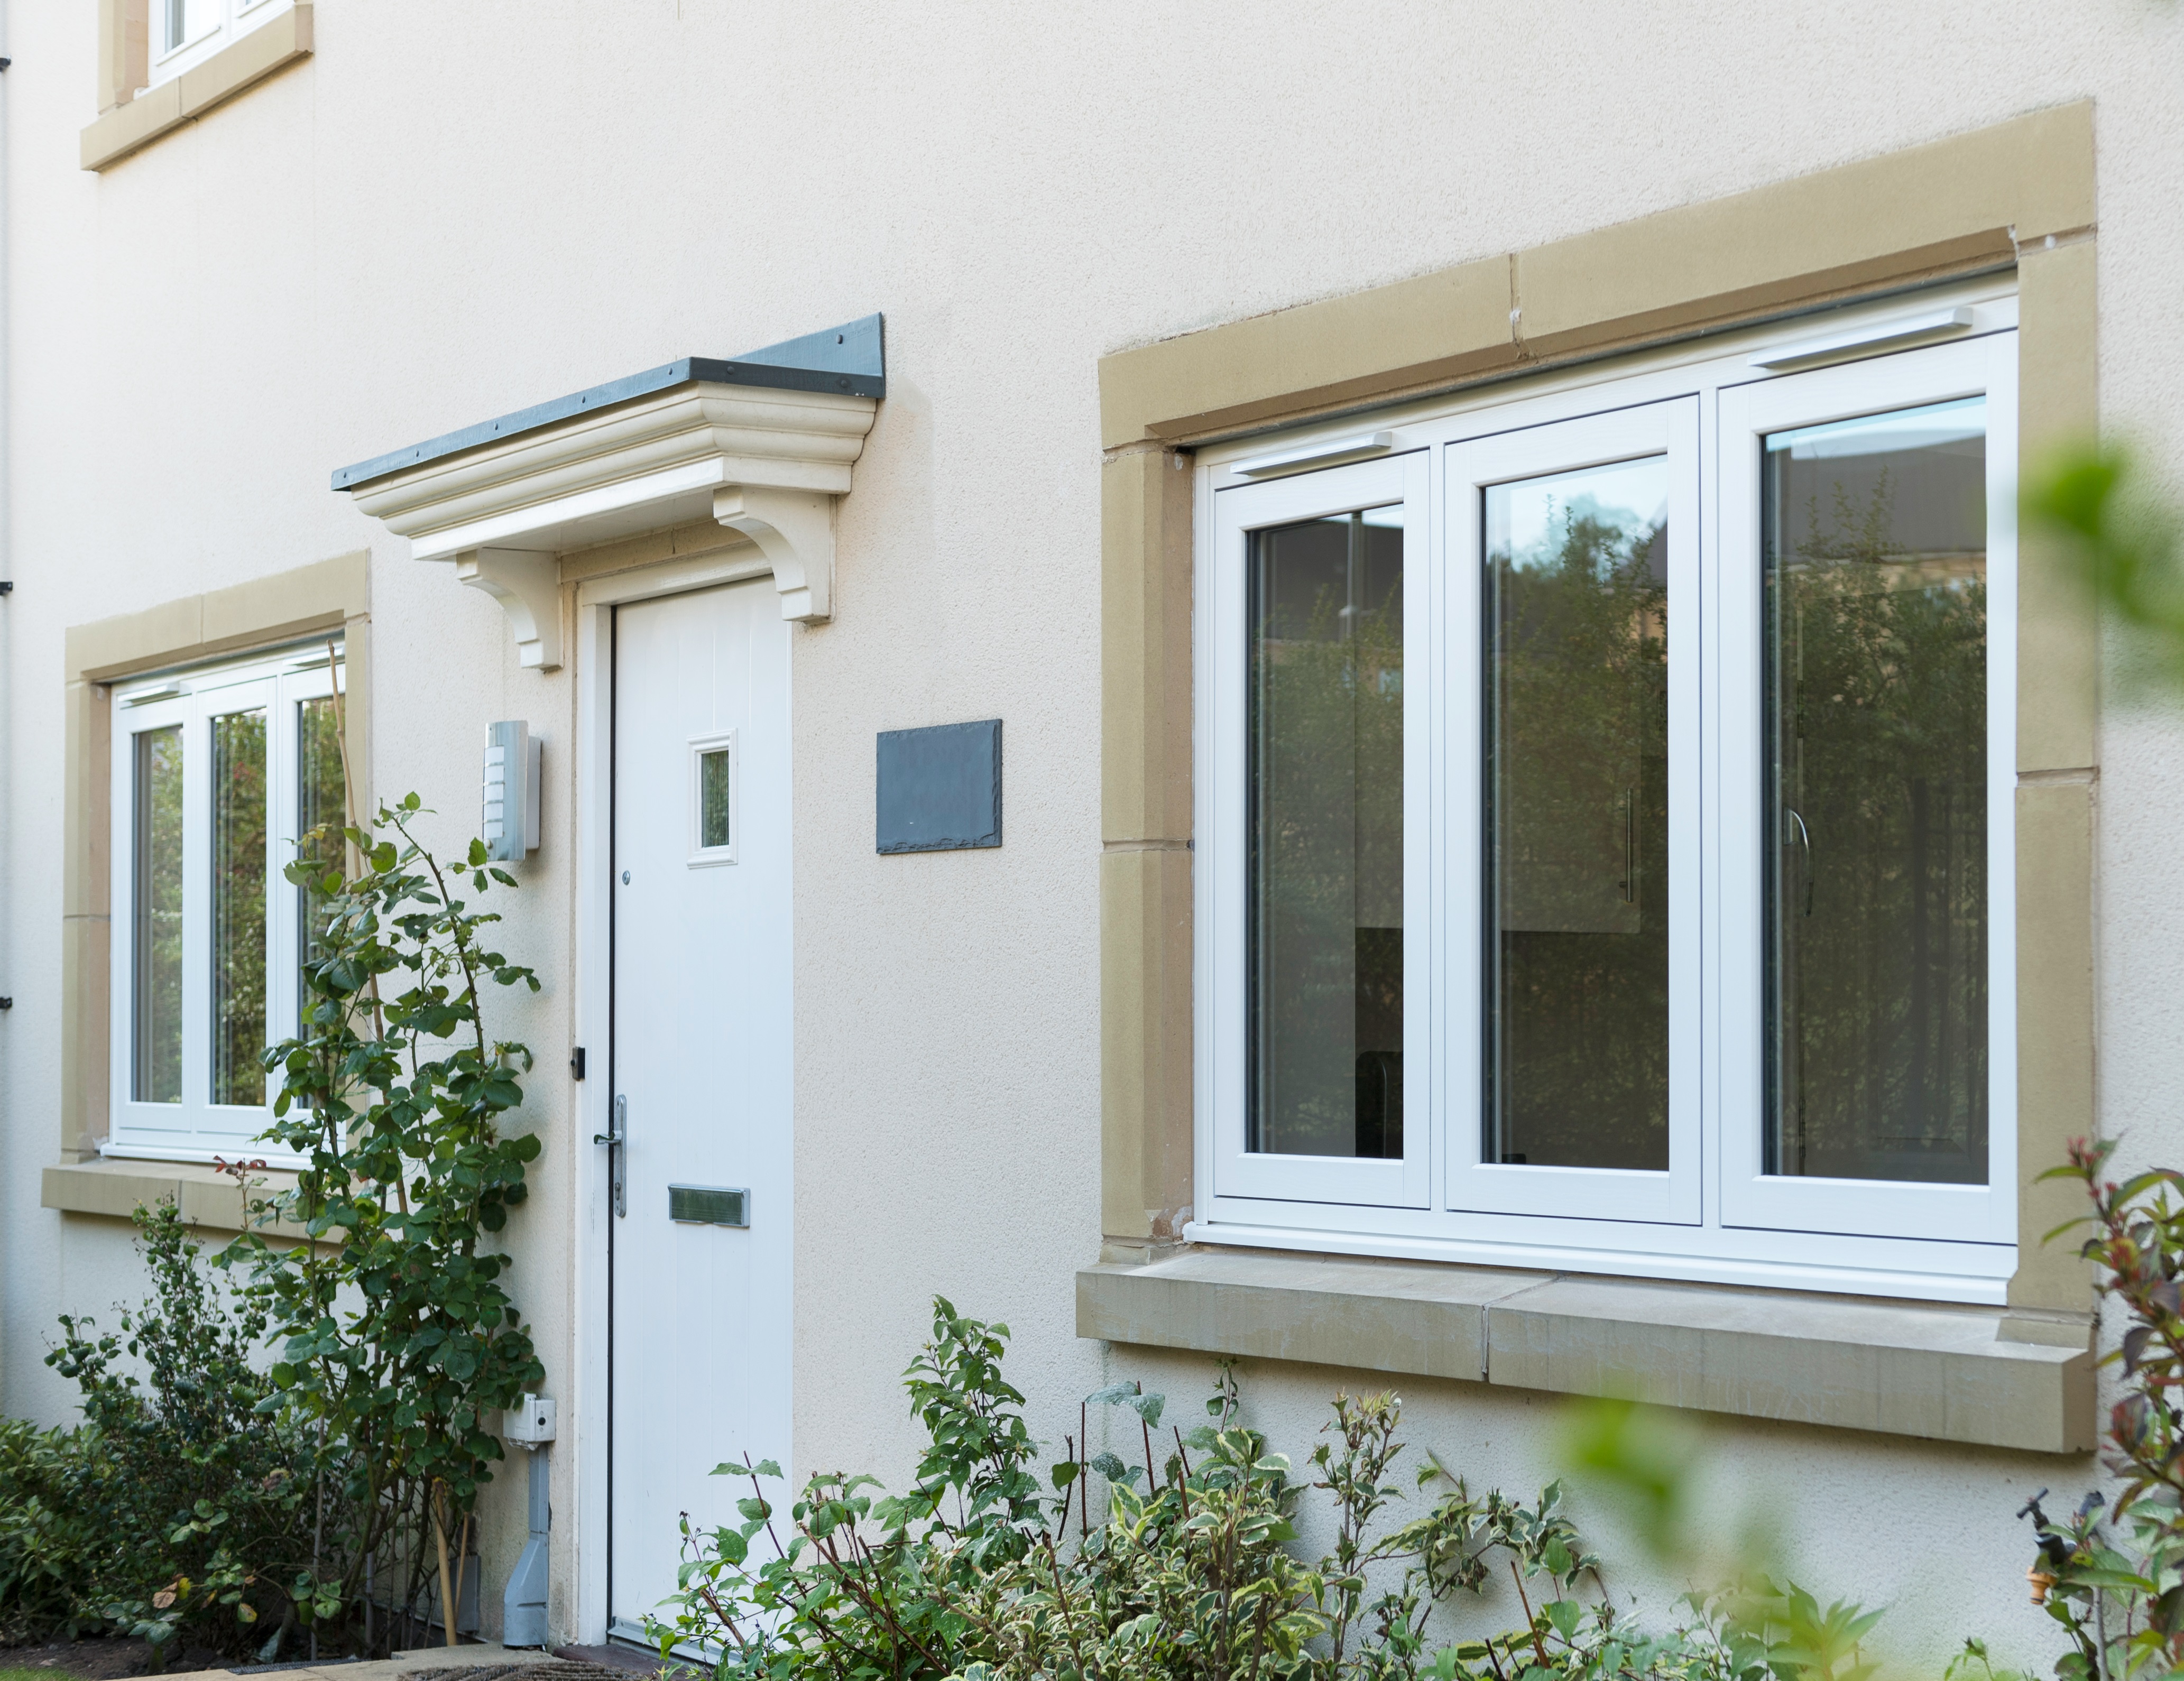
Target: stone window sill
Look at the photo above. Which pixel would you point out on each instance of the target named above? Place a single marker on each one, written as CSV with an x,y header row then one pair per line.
x,y
274,45
207,1198
1954,1374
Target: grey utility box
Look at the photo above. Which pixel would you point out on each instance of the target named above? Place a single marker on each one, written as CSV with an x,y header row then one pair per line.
x,y
510,820
940,788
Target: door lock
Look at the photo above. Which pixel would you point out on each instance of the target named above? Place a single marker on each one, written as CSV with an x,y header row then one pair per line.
x,y
617,1144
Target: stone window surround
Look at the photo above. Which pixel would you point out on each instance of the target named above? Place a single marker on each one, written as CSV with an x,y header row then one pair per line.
x,y
2019,194
324,597
127,120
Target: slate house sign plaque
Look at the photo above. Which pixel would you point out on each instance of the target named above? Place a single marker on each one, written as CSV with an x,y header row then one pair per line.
x,y
940,788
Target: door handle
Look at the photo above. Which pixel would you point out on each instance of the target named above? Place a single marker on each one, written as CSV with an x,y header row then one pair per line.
x,y
617,1153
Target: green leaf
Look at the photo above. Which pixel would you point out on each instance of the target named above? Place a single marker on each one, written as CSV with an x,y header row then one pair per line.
x,y
1115,1471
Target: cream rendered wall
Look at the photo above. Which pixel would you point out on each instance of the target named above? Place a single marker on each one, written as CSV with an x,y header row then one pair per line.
x,y
452,211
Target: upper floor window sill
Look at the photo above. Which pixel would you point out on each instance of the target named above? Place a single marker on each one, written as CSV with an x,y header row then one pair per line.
x,y
276,43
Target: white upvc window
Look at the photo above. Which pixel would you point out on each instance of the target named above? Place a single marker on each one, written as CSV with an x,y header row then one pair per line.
x,y
1604,833
185,33
217,772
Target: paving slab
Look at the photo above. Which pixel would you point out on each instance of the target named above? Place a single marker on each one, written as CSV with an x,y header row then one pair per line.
x,y
451,1662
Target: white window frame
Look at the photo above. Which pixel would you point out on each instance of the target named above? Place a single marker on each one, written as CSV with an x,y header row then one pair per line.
x,y
1302,1179
1985,366
210,25
197,1129
1711,1217
1667,429
701,854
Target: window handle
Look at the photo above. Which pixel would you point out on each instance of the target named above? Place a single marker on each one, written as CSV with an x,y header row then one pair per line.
x,y
1805,843
1630,846
616,1142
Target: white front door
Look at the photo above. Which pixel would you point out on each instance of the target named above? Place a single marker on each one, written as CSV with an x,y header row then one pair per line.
x,y
700,1070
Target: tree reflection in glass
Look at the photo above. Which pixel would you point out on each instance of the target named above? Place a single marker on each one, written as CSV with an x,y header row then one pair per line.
x,y
1577,819
1326,860
320,807
1875,546
238,907
157,936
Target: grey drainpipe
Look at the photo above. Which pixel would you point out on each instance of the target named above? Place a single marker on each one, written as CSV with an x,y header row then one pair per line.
x,y
523,1607
9,804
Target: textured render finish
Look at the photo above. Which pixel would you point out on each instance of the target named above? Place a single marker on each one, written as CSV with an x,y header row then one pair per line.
x,y
137,122
1951,206
1023,191
1938,1372
332,596
257,612
1962,203
1436,329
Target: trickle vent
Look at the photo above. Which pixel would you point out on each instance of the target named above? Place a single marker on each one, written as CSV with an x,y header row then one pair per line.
x,y
708,1206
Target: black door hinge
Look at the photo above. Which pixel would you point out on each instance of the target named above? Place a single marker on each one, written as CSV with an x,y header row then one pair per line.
x,y
576,1063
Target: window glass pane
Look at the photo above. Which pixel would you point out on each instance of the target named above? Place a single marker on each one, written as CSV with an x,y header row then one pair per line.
x,y
238,907
1326,862
1875,546
1577,818
320,806
713,798
157,936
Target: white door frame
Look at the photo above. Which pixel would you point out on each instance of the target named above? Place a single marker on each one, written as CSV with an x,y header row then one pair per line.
x,y
591,804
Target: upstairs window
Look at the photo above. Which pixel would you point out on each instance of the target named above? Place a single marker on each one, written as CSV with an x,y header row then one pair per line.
x,y
185,33
218,773
1604,833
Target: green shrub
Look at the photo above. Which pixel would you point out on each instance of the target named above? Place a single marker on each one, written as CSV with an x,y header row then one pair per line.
x,y
304,1454
50,1556
399,1344
2114,1577
208,1505
1191,1572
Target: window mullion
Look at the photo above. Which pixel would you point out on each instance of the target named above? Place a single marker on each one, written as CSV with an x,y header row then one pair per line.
x,y
196,913
280,807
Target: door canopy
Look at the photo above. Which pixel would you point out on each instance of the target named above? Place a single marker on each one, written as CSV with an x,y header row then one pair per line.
x,y
762,444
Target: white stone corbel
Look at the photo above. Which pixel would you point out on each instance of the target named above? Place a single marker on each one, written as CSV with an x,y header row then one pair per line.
x,y
794,529
527,583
